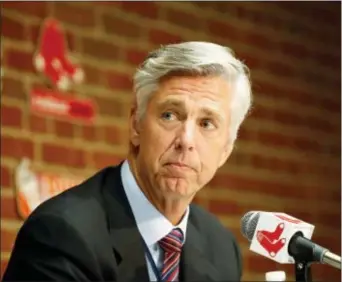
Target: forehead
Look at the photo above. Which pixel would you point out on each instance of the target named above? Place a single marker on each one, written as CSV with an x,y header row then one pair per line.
x,y
212,93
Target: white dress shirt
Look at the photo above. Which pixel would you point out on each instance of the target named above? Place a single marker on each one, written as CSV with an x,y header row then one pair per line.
x,y
152,225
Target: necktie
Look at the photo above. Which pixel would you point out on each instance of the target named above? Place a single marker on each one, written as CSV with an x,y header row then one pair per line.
x,y
172,246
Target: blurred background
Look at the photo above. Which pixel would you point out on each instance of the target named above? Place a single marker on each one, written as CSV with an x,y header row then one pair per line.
x,y
287,157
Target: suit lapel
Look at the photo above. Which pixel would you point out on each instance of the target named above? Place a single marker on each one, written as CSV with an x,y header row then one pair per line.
x,y
128,246
195,265
126,240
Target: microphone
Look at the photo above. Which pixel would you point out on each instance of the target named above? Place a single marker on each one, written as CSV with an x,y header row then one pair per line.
x,y
283,238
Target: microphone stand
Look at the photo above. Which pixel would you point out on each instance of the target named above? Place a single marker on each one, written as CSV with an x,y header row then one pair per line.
x,y
305,253
303,271
303,256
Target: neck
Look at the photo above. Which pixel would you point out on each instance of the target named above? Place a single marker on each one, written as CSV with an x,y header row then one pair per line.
x,y
171,207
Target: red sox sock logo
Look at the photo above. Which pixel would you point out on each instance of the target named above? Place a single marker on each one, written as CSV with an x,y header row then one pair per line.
x,y
52,57
271,241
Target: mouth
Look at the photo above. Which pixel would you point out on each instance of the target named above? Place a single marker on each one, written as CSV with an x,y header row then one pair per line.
x,y
179,165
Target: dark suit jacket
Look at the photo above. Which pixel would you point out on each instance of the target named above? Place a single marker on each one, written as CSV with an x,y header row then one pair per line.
x,y
88,233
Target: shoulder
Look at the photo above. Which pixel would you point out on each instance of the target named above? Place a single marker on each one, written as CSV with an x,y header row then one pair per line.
x,y
79,206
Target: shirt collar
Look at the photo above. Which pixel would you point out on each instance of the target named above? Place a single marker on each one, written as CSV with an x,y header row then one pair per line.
x,y
152,224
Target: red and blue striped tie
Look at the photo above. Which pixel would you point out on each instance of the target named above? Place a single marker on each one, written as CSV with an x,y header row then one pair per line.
x,y
172,246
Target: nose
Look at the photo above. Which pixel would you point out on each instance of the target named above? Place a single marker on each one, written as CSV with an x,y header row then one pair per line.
x,y
186,137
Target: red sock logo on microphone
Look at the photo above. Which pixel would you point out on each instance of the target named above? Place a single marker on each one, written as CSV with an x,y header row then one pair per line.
x,y
271,241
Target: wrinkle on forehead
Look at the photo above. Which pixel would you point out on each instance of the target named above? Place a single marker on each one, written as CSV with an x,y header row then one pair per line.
x,y
208,84
211,94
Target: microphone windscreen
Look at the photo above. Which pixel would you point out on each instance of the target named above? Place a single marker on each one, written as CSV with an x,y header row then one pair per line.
x,y
249,223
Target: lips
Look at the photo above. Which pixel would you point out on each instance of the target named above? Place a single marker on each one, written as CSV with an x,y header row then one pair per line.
x,y
178,165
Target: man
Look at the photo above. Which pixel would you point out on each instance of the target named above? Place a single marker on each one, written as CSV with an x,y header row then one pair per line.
x,y
135,221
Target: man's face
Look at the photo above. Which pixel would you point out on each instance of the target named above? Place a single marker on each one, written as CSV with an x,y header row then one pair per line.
x,y
183,137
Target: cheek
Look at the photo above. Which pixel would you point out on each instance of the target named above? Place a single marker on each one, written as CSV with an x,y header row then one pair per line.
x,y
210,154
156,142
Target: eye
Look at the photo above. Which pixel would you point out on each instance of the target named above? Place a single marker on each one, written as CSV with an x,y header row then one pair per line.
x,y
168,115
207,124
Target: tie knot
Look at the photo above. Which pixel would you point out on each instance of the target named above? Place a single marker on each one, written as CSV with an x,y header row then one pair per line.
x,y
172,242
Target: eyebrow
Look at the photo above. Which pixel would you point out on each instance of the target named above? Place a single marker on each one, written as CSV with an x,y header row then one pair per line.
x,y
175,103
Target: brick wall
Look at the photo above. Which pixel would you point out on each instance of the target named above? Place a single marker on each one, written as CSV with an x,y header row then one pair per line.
x,y
288,155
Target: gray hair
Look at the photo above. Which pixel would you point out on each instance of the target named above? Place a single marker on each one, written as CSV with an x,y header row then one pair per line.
x,y
195,58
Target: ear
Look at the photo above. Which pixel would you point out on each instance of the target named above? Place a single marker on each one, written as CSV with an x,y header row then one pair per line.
x,y
226,153
134,131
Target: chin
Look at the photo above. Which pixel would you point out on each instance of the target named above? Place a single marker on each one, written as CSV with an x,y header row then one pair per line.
x,y
178,187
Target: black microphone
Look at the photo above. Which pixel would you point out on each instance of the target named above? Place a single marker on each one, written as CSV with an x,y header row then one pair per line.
x,y
299,247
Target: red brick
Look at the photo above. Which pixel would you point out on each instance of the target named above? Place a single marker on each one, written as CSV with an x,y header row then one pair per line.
x,y
333,220
34,33
304,215
256,17
9,208
103,159
269,89
16,147
323,272
259,161
163,37
64,129
66,156
135,56
19,60
100,49
70,40
74,14
328,17
254,39
6,177
120,81
110,107
150,9
185,19
316,123
239,183
274,139
11,116
7,240
245,134
300,96
113,135
118,26
38,9
93,75
249,59
330,242
13,88
296,50
38,124
225,30
329,60
258,264
12,29
221,207
336,150
262,112
90,133
288,118
330,105
306,145
278,68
